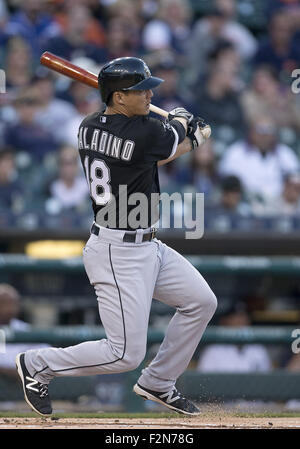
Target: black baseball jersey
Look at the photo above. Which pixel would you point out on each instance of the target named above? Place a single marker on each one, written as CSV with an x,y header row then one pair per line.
x,y
119,155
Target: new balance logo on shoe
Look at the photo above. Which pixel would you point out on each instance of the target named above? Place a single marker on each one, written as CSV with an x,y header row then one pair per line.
x,y
30,385
168,397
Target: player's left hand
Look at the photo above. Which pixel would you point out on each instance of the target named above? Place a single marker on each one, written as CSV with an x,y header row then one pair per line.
x,y
182,113
198,131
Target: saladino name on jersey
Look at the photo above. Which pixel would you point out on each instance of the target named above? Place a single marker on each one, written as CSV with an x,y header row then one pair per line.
x,y
105,143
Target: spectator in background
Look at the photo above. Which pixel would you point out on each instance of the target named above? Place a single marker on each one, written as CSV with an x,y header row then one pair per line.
x,y
84,99
235,32
3,14
231,197
267,97
18,64
201,174
288,203
228,209
125,9
225,52
167,178
11,189
26,135
291,7
69,190
122,40
234,358
123,29
3,20
219,24
75,92
170,29
10,308
87,101
279,49
18,72
52,113
170,93
34,25
206,34
260,161
94,34
72,44
218,98
293,366
274,5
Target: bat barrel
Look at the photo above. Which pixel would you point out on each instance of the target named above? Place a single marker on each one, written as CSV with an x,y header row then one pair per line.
x,y
66,68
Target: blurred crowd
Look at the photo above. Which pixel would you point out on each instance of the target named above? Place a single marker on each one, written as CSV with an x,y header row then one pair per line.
x,y
238,77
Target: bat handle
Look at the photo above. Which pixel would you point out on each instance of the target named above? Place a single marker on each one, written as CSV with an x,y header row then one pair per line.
x,y
158,111
206,132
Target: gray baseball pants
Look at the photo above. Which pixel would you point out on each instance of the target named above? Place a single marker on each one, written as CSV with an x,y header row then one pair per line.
x,y
126,276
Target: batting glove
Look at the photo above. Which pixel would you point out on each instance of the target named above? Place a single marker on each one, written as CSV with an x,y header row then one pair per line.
x,y
198,131
180,112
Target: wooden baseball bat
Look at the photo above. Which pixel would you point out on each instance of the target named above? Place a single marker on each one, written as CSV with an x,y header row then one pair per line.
x,y
70,70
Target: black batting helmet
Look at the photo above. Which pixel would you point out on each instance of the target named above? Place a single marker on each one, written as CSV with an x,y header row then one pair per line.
x,y
125,74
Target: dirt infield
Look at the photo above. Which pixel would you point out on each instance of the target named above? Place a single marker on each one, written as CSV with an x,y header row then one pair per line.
x,y
203,422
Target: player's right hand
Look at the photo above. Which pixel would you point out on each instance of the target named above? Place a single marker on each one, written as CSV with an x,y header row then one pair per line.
x,y
182,113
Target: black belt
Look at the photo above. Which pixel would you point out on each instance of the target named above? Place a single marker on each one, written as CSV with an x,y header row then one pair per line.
x,y
128,237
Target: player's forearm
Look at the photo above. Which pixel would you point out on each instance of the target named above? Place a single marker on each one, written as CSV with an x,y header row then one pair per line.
x,y
183,147
182,121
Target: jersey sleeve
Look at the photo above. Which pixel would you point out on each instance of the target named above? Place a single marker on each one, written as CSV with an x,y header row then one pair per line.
x,y
162,140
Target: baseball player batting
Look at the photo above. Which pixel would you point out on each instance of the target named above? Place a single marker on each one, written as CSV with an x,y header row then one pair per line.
x,y
127,264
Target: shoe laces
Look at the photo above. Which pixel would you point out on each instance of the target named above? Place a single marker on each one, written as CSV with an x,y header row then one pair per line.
x,y
43,391
175,391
